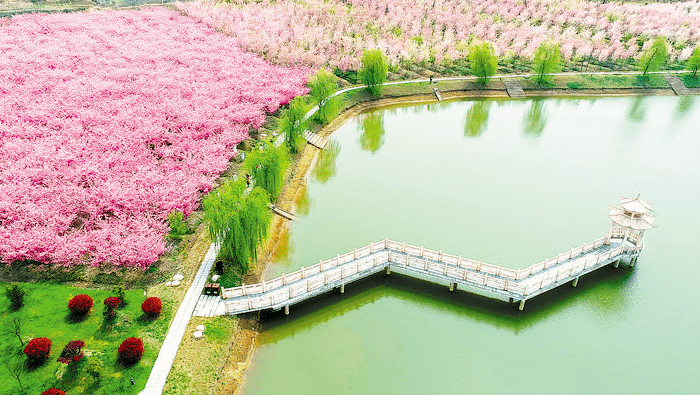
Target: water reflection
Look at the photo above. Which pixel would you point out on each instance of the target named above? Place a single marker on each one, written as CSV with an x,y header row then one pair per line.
x,y
684,105
535,118
372,125
477,116
637,109
603,291
303,202
325,165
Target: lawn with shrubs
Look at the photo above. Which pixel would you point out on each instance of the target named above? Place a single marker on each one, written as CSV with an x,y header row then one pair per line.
x,y
84,347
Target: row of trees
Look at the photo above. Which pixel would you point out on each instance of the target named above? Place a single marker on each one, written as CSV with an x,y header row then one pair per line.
x,y
237,213
547,60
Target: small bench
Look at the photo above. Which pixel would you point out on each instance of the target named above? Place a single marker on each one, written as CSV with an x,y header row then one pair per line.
x,y
212,289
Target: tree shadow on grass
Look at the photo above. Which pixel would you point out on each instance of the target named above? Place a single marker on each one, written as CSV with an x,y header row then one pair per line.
x,y
73,318
146,319
32,364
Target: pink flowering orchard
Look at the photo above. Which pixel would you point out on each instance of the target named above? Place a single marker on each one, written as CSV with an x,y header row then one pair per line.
x,y
111,120
335,32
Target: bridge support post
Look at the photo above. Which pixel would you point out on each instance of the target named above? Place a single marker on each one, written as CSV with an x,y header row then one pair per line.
x,y
633,261
575,283
388,270
616,264
522,305
286,310
452,286
342,288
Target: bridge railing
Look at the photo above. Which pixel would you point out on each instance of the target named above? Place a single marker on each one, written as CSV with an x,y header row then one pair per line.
x,y
304,272
572,253
315,284
488,275
578,267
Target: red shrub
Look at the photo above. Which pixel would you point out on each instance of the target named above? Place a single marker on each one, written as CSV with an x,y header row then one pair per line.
x,y
152,306
53,391
73,352
131,349
80,304
38,348
112,302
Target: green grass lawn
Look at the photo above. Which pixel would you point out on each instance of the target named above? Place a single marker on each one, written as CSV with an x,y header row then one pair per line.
x,y
690,81
45,314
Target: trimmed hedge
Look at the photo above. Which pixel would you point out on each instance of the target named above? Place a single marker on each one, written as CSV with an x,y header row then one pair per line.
x,y
80,304
152,306
39,348
131,350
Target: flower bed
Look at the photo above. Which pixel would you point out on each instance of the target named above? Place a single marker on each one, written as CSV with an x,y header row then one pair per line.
x,y
111,120
335,32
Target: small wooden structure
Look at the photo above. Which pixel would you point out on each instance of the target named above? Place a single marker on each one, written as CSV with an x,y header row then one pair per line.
x,y
438,95
283,213
212,289
677,85
513,88
315,140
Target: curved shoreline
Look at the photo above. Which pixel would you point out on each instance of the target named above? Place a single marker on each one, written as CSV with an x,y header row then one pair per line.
x,y
245,338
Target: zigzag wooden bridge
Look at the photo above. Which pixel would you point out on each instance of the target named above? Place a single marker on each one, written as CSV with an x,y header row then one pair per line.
x,y
623,243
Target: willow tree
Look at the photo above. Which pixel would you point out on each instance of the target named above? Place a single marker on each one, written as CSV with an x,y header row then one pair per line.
x,y
292,124
374,71
654,57
239,221
268,167
547,61
693,63
483,61
322,85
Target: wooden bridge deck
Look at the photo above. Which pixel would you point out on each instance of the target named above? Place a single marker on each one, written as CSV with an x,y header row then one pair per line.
x,y
677,85
435,266
513,88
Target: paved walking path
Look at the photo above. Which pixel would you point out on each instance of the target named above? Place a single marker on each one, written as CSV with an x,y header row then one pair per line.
x,y
166,356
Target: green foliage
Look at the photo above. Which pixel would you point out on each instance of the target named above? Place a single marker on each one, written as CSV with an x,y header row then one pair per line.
x,y
45,316
267,168
374,71
535,119
654,57
692,64
483,60
575,85
691,81
372,128
178,226
291,123
477,116
325,165
15,294
239,221
118,291
547,60
323,84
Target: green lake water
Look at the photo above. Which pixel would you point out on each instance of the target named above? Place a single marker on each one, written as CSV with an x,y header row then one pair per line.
x,y
509,183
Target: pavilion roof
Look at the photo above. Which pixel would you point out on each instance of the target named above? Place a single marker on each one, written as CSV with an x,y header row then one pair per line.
x,y
635,205
618,216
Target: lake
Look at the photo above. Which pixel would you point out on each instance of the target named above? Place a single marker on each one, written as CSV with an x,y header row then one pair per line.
x,y
509,183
